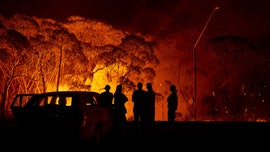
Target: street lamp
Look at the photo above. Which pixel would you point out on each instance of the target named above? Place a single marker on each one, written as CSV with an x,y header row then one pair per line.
x,y
194,59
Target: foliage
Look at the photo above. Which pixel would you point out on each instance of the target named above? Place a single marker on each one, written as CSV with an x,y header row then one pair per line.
x,y
39,55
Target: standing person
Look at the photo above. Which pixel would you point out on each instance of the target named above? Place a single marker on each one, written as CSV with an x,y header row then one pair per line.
x,y
119,104
138,99
150,102
106,97
172,101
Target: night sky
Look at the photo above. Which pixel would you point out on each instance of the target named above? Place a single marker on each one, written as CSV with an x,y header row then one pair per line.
x,y
246,18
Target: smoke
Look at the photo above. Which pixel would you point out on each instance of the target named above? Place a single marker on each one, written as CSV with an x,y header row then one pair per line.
x,y
175,24
243,17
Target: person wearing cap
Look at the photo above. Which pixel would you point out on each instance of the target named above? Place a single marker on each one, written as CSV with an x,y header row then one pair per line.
x,y
106,97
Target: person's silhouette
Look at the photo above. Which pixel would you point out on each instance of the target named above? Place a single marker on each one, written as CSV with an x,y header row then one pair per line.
x,y
106,97
150,108
172,101
119,104
139,101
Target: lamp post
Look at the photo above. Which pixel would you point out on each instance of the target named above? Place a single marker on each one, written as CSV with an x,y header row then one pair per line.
x,y
194,60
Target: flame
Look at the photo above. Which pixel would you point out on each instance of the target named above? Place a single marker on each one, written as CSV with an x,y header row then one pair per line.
x,y
100,79
108,75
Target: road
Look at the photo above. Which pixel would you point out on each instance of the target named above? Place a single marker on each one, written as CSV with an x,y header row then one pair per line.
x,y
188,134
159,135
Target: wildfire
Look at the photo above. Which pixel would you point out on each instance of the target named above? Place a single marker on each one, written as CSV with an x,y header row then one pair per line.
x,y
87,55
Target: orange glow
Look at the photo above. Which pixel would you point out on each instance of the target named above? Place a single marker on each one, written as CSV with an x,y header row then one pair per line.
x,y
30,53
110,75
98,83
63,87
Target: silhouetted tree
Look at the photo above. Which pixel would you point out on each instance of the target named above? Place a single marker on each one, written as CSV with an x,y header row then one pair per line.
x,y
76,49
13,49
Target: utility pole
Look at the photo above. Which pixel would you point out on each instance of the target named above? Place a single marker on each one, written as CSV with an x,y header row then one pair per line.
x,y
194,62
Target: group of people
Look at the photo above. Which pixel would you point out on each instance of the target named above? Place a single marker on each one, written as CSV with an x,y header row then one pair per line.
x,y
106,100
143,103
